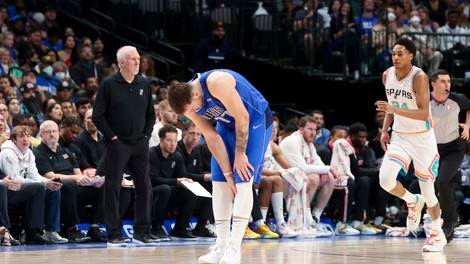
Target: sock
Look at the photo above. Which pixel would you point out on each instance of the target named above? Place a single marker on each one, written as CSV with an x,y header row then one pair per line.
x,y
378,220
223,233
436,224
94,225
278,207
259,223
264,212
308,219
238,231
317,213
409,197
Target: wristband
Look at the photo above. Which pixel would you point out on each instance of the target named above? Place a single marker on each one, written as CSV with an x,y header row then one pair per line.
x,y
228,173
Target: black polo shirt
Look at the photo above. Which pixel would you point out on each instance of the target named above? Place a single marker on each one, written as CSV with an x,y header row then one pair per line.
x,y
192,161
92,150
165,170
61,161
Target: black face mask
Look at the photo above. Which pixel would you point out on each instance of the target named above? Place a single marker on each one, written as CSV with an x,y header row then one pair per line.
x,y
33,64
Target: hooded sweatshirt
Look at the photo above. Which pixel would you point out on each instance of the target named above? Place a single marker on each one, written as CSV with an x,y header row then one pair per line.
x,y
19,166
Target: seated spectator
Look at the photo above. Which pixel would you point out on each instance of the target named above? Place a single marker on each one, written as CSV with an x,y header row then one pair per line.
x,y
30,101
68,108
167,116
82,105
167,172
18,162
52,162
54,113
86,67
276,169
31,122
300,152
193,162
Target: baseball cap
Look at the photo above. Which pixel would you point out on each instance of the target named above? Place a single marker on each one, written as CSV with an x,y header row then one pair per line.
x,y
63,86
27,86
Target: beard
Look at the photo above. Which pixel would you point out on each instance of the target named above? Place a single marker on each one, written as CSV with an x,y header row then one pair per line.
x,y
52,143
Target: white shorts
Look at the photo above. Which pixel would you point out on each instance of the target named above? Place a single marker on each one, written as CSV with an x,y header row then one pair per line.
x,y
421,148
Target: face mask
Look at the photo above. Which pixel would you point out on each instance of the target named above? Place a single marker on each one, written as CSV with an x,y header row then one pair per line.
x,y
415,20
60,75
33,64
154,97
48,70
391,16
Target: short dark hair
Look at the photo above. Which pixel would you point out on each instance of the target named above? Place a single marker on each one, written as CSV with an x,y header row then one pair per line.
x,y
82,101
356,128
69,122
304,120
180,96
436,74
167,129
408,43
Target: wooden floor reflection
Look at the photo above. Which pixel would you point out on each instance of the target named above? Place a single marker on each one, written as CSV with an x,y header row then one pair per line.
x,y
283,251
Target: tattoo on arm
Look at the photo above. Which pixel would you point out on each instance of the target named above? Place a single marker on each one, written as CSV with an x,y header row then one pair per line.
x,y
242,140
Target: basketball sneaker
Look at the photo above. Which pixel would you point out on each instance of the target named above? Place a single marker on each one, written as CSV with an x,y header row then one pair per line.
x,y
435,242
285,231
414,213
343,229
366,230
323,230
232,254
213,257
249,234
265,232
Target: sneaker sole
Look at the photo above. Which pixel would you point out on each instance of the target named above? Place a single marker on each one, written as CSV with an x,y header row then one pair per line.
x,y
116,245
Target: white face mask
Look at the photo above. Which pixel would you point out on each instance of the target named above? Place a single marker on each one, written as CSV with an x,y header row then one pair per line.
x,y
415,20
48,70
391,16
154,97
60,75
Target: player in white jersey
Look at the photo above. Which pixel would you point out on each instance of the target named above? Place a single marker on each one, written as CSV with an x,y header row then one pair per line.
x,y
407,89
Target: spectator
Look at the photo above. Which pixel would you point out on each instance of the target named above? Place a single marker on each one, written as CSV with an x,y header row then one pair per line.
x,y
323,134
167,117
69,54
76,190
167,172
31,122
54,113
30,103
300,152
193,161
86,67
82,105
213,51
18,161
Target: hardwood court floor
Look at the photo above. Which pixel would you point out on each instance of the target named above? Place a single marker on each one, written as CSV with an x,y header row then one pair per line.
x,y
350,250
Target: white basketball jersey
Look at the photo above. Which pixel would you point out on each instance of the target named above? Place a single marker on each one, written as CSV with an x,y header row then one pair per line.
x,y
400,94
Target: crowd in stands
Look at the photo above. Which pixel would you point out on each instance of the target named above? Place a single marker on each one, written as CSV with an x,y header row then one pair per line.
x,y
51,152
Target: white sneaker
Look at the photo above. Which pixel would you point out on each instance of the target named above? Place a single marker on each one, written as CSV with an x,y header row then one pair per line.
x,y
435,242
286,231
308,232
213,257
343,229
323,230
55,238
366,230
232,254
414,213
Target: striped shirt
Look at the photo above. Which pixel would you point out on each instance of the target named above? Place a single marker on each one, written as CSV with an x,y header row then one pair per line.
x,y
446,116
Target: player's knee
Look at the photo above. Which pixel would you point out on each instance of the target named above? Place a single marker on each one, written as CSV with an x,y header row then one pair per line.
x,y
387,183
